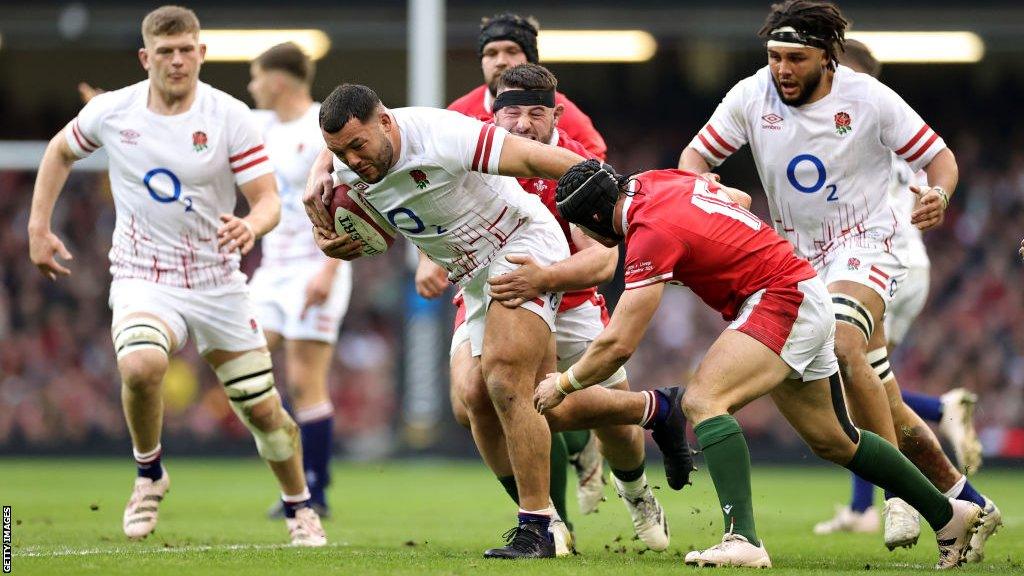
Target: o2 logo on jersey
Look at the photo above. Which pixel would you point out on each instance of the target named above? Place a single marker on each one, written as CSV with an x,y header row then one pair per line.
x,y
819,174
157,176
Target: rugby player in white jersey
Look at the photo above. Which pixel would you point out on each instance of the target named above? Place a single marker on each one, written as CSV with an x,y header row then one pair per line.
x,y
300,295
433,176
824,139
954,410
177,149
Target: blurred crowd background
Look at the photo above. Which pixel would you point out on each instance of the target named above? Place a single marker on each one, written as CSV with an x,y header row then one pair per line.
x,y
59,388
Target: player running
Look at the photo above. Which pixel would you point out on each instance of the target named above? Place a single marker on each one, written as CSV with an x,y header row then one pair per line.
x,y
680,228
300,295
824,140
433,175
507,40
953,411
525,106
177,149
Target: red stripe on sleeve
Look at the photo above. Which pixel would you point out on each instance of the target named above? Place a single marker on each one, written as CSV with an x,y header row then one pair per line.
x,y
877,281
878,271
248,165
720,140
924,147
252,150
710,148
480,146
79,138
486,158
84,137
913,140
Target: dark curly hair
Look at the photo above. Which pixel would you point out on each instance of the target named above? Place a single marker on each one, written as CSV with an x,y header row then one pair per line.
x,y
812,17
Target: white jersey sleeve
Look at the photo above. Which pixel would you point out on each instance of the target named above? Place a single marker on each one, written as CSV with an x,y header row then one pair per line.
x,y
727,130
245,145
84,133
903,130
467,144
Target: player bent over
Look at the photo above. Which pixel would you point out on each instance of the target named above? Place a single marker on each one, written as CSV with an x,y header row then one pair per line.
x,y
526,107
177,150
679,227
434,176
507,40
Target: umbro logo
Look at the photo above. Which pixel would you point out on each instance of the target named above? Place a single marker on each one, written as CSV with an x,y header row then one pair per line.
x,y
772,121
129,136
361,186
727,508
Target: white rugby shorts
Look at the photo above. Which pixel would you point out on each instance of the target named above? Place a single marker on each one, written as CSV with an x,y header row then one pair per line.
x,y
545,243
797,323
907,304
872,266
278,295
220,318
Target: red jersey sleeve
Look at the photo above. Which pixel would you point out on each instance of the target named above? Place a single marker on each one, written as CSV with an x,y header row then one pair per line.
x,y
651,255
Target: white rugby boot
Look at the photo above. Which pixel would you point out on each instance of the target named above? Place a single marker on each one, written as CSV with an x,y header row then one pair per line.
x,y
846,520
305,528
733,550
589,467
902,524
649,521
565,541
140,514
957,426
990,523
954,539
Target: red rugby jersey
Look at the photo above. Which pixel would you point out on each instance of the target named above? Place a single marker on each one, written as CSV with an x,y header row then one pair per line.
x,y
682,229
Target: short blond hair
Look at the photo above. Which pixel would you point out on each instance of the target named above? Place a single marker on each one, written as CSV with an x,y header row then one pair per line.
x,y
169,21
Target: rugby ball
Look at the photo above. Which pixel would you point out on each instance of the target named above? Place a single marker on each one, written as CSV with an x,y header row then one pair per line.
x,y
353,216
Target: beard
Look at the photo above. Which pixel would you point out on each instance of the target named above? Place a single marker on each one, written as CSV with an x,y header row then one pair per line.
x,y
383,161
809,86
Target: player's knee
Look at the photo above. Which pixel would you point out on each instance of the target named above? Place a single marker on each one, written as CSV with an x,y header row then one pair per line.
x,y
266,415
698,406
834,446
851,348
143,371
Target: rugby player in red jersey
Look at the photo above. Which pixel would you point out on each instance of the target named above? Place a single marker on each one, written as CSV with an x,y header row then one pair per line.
x,y
681,228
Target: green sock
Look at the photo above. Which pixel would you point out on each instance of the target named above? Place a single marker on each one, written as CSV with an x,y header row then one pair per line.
x,y
509,484
881,463
728,461
576,440
559,476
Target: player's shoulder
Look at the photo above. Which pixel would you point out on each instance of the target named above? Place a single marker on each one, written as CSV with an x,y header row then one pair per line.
x,y
217,102
470,102
122,100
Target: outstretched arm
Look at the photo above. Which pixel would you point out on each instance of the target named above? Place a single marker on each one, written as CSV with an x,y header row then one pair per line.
x,y
524,158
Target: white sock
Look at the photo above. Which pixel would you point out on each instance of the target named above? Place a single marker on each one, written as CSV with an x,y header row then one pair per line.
x,y
294,498
632,488
146,457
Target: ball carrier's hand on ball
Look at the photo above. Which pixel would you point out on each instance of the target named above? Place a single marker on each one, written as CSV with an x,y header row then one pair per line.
x,y
341,247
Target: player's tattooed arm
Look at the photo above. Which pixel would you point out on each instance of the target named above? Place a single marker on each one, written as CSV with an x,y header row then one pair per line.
x,y
264,213
591,265
524,158
943,176
609,351
53,172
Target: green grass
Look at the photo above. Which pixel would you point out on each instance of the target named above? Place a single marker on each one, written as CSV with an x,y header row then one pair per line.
x,y
428,518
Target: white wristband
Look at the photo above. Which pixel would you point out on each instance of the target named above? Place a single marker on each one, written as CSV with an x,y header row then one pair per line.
x,y
576,385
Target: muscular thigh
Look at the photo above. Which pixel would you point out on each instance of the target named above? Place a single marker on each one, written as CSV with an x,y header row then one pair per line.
x,y
516,342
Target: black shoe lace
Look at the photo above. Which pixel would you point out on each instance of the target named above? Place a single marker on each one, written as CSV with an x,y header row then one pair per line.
x,y
522,538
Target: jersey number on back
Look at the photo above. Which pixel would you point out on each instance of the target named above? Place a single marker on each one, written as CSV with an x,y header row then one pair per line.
x,y
718,202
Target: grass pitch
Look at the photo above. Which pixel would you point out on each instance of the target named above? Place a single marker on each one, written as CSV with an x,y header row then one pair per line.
x,y
430,518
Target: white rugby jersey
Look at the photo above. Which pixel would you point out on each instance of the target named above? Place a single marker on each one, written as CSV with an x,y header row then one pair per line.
x,y
825,166
292,148
444,194
904,202
172,177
